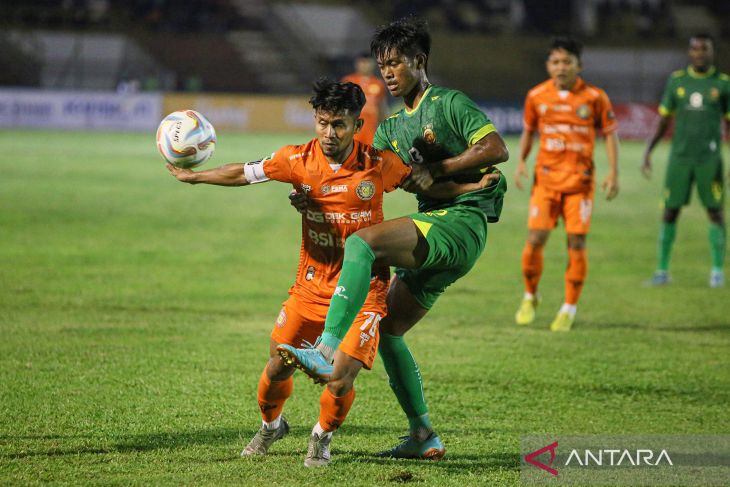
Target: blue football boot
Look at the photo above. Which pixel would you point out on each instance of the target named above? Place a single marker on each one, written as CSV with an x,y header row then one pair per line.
x,y
429,449
309,360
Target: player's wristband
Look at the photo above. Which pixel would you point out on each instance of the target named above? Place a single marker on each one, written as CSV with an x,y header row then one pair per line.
x,y
254,172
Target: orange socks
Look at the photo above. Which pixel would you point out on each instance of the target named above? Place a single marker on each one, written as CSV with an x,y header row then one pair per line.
x,y
272,396
333,410
532,266
575,274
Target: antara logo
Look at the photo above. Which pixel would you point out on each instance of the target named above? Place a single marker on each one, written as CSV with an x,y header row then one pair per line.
x,y
530,458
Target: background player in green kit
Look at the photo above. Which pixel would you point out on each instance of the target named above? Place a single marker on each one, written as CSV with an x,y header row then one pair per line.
x,y
698,98
431,249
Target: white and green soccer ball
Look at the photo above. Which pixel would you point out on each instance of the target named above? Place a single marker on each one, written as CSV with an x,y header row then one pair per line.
x,y
186,139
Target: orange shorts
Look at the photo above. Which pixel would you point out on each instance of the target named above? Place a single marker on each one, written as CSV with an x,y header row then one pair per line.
x,y
301,319
547,205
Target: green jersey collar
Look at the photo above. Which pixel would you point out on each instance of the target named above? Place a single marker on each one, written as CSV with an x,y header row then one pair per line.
x,y
415,109
696,74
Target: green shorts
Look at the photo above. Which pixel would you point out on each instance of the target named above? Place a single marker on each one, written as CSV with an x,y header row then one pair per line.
x,y
680,177
456,238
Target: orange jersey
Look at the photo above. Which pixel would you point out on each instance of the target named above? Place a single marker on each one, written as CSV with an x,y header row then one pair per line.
x,y
567,122
342,202
375,92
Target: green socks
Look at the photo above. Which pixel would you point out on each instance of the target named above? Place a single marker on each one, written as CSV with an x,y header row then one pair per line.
x,y
405,380
666,239
351,291
716,235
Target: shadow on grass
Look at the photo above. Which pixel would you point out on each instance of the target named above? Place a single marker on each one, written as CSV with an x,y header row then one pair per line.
x,y
229,436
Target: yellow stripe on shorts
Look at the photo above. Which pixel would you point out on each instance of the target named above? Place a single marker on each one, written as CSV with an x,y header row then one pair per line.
x,y
424,227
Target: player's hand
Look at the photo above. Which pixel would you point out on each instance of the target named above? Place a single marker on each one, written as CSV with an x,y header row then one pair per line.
x,y
646,166
521,175
184,175
299,201
419,180
610,186
490,178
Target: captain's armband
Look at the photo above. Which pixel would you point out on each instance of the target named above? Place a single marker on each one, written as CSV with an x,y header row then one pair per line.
x,y
254,172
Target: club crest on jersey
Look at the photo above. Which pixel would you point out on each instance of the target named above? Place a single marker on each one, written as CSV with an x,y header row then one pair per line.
x,y
326,189
281,320
310,273
428,134
583,112
365,190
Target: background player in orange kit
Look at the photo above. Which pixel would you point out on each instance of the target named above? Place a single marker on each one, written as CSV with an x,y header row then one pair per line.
x,y
345,181
375,108
567,112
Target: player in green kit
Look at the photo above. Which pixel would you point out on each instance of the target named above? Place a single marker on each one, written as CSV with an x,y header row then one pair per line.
x,y
431,249
698,98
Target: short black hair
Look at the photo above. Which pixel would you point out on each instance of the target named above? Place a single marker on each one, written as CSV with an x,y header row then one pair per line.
x,y
569,44
408,35
337,97
702,36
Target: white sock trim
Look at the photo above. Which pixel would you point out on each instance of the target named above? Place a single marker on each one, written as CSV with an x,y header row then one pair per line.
x,y
273,424
319,431
569,308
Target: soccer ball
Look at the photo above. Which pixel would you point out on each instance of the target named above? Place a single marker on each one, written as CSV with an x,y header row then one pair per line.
x,y
186,139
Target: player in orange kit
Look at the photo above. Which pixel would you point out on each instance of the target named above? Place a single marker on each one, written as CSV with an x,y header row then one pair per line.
x,y
345,181
567,112
375,108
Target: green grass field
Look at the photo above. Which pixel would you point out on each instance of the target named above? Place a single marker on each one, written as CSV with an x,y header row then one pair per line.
x,y
135,314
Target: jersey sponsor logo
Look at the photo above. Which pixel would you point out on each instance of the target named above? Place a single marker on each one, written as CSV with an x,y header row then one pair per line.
x,y
340,291
583,112
695,100
370,327
365,190
310,273
338,217
325,239
339,188
560,107
281,320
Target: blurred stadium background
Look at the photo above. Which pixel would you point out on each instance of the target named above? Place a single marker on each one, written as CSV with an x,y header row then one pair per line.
x,y
123,64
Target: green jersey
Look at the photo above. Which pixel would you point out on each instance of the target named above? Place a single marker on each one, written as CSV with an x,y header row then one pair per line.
x,y
443,124
699,102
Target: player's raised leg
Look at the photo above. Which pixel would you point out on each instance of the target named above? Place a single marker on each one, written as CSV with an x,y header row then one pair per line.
x,y
394,243
275,387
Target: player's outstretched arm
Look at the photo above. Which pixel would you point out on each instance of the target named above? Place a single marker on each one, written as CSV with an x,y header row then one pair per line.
x,y
661,129
521,173
610,183
228,175
486,152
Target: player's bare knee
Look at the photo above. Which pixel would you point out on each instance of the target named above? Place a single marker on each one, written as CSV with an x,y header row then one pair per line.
x,y
576,241
276,369
538,238
340,387
716,216
670,215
